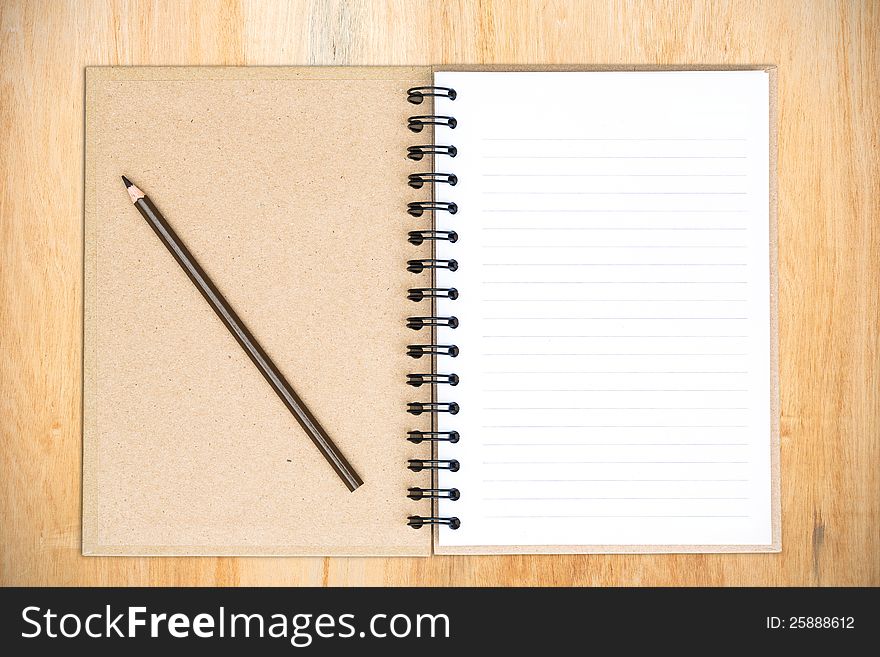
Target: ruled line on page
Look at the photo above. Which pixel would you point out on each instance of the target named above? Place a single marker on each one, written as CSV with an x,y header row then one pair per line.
x,y
616,372
614,139
598,300
543,444
601,317
593,462
616,408
528,193
619,426
614,246
616,390
614,175
682,498
614,157
639,228
613,516
611,264
605,353
618,282
626,480
618,211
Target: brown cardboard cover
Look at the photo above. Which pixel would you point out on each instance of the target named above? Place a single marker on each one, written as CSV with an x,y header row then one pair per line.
x,y
289,187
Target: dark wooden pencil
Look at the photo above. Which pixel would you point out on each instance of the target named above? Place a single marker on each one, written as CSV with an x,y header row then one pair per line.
x,y
242,335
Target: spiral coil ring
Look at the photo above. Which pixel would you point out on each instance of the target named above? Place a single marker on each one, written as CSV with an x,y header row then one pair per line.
x,y
418,323
418,123
418,208
431,180
419,180
417,153
416,493
422,293
417,522
418,266
417,465
419,350
417,380
418,237
418,437
416,95
417,408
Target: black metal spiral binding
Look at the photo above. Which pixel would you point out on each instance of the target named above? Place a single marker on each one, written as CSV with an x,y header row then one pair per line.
x,y
418,266
416,493
418,323
419,350
417,408
417,522
416,96
418,123
417,237
419,180
417,465
418,437
417,153
417,380
422,293
418,208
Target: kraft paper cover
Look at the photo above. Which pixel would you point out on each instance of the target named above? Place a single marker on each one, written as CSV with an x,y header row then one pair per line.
x,y
289,187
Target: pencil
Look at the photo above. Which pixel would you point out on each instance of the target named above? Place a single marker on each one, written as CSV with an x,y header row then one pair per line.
x,y
243,336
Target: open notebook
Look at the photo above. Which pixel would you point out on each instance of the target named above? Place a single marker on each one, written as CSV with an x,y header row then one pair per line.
x,y
573,271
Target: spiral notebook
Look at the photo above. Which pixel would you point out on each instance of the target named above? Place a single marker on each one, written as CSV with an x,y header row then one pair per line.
x,y
535,309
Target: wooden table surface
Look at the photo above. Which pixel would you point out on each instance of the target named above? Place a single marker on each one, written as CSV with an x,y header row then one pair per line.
x,y
828,54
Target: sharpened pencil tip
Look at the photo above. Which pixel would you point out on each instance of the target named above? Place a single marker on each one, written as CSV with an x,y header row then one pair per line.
x,y
133,192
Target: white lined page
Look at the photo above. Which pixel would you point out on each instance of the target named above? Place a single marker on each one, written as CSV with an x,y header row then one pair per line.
x,y
614,308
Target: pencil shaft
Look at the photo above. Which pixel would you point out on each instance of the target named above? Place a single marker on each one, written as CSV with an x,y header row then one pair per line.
x,y
247,341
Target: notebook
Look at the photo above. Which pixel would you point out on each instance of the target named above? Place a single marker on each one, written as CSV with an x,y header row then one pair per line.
x,y
535,310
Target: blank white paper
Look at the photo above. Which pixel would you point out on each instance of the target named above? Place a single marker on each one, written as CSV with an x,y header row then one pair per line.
x,y
614,308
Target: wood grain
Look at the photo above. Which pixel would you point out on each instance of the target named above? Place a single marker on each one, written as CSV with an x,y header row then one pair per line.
x,y
828,55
